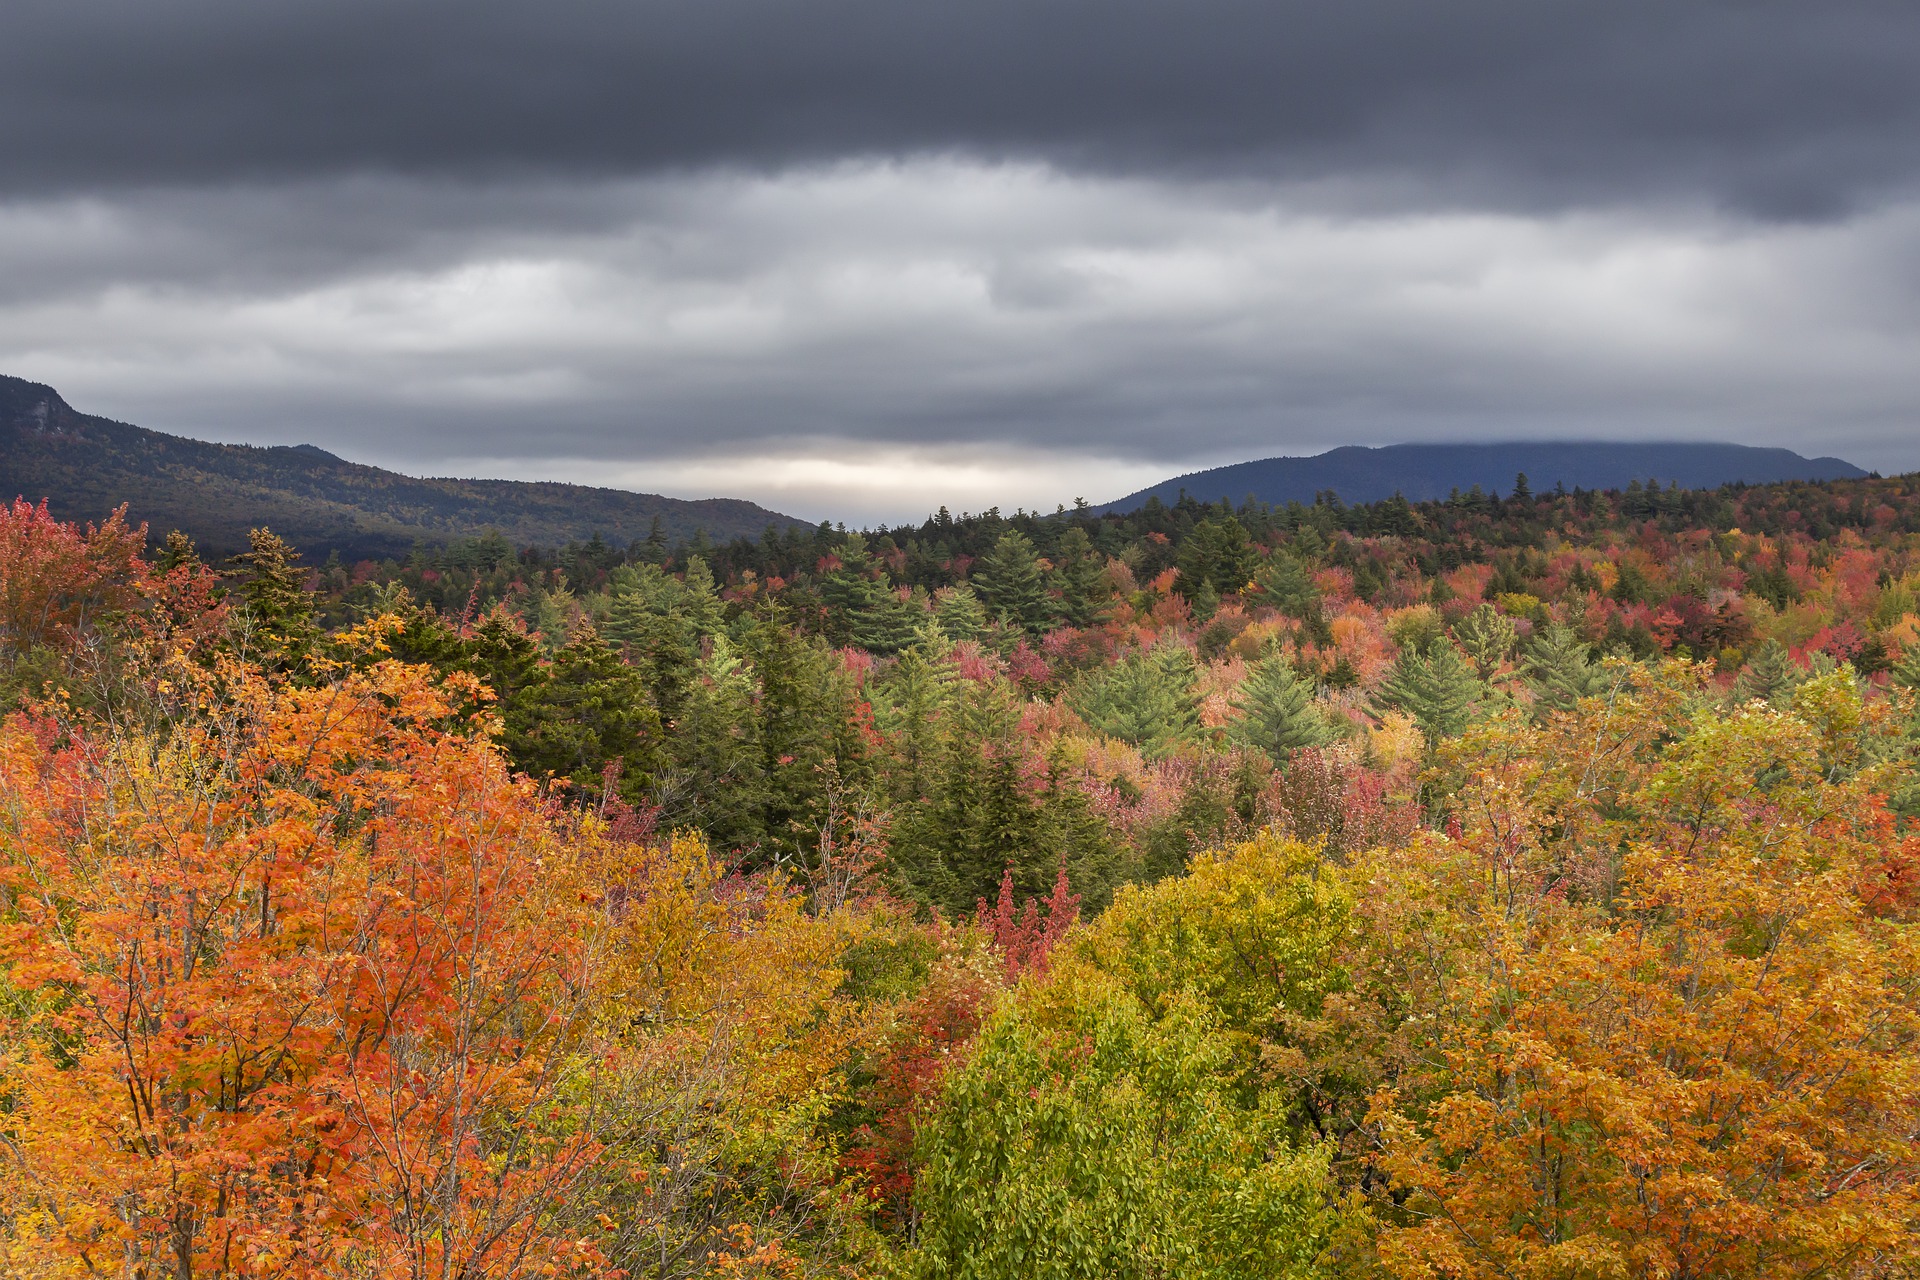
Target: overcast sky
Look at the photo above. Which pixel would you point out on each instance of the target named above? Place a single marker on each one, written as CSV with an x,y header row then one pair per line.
x,y
859,258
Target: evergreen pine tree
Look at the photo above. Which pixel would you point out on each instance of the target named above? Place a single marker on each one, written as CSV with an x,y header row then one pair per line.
x,y
713,782
1082,579
1147,699
1438,689
1488,636
654,549
590,712
177,553
864,611
705,611
1274,710
1218,555
1906,672
281,630
1284,583
1769,675
1008,579
1559,670
959,612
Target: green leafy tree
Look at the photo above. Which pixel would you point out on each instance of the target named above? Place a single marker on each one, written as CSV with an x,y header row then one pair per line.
x,y
1116,1118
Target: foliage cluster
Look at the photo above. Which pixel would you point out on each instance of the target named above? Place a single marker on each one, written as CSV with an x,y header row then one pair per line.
x,y
1497,888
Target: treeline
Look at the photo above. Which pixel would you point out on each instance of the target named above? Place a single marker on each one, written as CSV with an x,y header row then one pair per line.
x,y
1511,885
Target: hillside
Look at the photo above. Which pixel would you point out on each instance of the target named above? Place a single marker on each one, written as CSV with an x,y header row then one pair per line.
x,y
1424,472
84,466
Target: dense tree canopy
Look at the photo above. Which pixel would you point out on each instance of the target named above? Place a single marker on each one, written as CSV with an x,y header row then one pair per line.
x,y
1502,887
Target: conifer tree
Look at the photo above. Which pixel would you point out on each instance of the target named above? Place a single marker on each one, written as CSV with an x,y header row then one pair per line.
x,y
279,609
177,553
590,712
1216,556
1438,689
1769,675
851,590
1488,636
1274,710
704,608
1008,579
1147,699
1284,583
959,612
1558,669
654,549
1081,578
1906,672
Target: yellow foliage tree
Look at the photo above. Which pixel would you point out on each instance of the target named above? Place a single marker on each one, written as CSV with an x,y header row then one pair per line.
x,y
1652,1027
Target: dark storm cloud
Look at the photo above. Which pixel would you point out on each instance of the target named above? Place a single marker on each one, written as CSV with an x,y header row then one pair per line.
x,y
858,258
1781,110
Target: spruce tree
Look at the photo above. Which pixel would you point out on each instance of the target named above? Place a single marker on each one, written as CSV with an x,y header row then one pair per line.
x,y
1008,579
178,553
1906,672
704,609
851,592
1216,556
890,623
1274,710
590,712
654,549
1284,583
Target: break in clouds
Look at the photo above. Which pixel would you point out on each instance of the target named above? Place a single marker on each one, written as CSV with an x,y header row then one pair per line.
x,y
857,260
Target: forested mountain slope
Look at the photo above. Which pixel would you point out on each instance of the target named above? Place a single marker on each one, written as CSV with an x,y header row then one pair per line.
x,y
1423,472
85,466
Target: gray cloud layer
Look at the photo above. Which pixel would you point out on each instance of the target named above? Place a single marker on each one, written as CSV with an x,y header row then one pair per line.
x,y
1776,106
858,258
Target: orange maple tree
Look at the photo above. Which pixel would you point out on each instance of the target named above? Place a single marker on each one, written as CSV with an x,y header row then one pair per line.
x,y
294,989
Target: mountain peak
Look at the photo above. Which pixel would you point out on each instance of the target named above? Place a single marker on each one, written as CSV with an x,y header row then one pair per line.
x,y
1426,472
35,408
85,466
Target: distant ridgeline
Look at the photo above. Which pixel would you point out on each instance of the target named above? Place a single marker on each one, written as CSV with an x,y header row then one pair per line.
x,y
86,466
1428,472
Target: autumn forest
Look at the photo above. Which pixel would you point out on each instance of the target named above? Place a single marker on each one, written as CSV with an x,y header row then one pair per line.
x,y
1519,886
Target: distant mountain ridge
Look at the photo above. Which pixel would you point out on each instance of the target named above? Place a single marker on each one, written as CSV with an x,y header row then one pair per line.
x,y
85,466
1425,472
